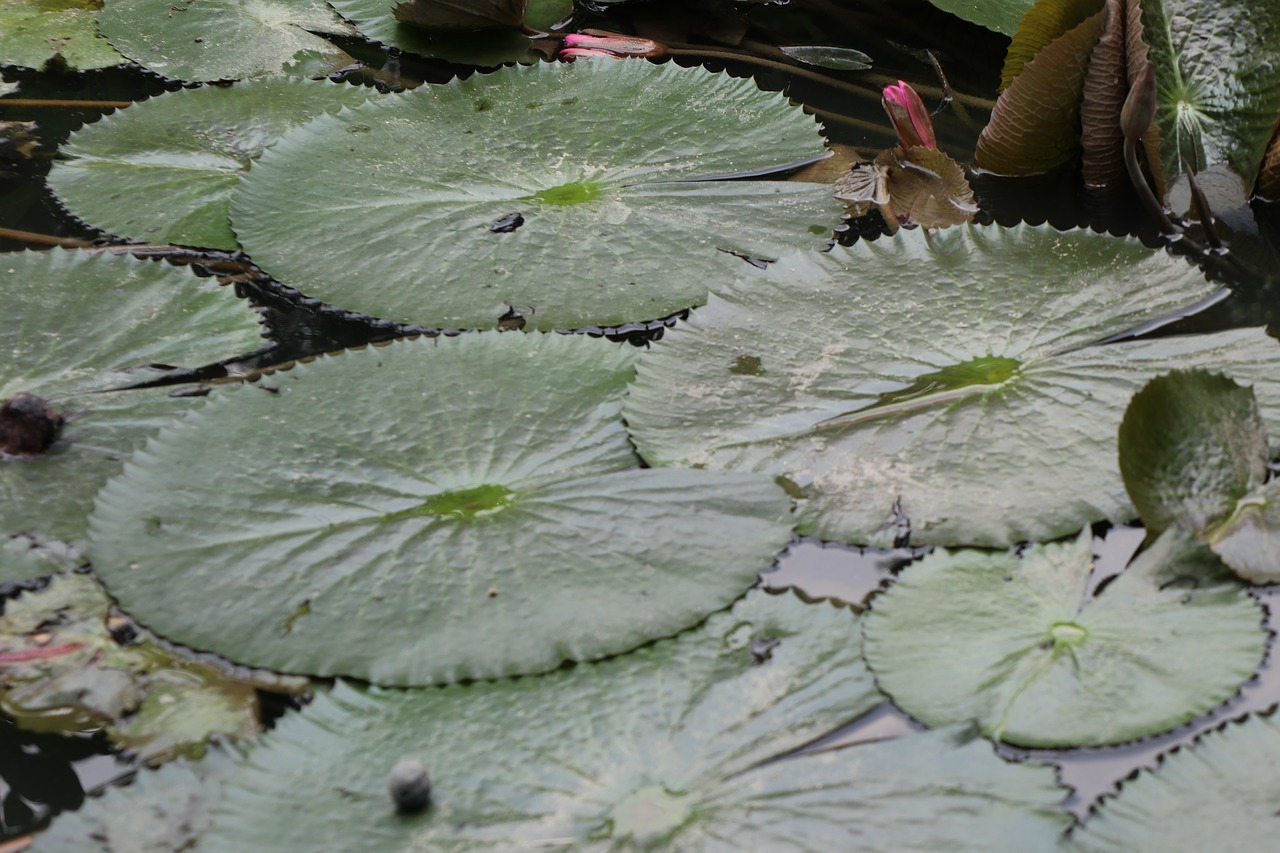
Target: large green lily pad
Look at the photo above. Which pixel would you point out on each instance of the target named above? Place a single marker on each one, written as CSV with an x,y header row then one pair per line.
x,y
1217,91
225,39
63,668
666,748
1229,774
33,33
1016,643
163,170
941,377
425,512
78,324
559,191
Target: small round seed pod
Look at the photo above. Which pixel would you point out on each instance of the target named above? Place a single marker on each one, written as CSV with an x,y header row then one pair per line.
x,y
409,785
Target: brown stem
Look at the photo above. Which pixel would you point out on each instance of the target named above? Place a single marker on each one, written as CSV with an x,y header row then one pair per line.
x,y
42,239
1140,184
181,254
62,102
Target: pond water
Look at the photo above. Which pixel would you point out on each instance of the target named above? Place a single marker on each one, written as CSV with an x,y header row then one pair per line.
x,y
41,775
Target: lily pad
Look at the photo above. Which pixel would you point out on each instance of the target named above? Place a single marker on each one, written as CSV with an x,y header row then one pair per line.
x,y
163,170
564,192
1248,540
160,811
1003,16
65,667
33,33
666,748
428,512
941,377
1191,444
225,39
492,47
1217,93
1017,644
78,324
835,58
1230,774
25,557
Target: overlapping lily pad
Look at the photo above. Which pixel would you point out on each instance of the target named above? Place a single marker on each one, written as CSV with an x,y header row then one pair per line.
x,y
63,668
560,191
26,557
31,34
163,170
665,748
1016,643
1003,16
225,39
78,324
1229,774
1217,92
489,47
427,512
943,378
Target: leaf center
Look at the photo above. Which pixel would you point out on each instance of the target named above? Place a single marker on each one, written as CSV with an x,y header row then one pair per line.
x,y
476,502
575,192
1067,634
650,815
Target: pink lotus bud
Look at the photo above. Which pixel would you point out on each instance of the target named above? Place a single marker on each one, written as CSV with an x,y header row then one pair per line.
x,y
580,44
909,116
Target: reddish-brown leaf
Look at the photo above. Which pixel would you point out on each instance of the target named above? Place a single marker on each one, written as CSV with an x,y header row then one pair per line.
x,y
1105,85
1035,126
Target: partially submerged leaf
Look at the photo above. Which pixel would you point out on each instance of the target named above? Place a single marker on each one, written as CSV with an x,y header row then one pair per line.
x,y
941,377
163,170
1248,540
427,512
1003,16
1229,774
1035,126
460,14
32,34
78,324
835,58
1191,444
491,47
64,667
669,747
1016,644
26,557
225,39
602,171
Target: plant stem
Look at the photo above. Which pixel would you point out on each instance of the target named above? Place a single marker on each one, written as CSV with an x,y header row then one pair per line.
x,y
59,102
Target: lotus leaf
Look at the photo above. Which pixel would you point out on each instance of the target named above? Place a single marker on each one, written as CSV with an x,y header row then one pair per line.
x,y
26,557
76,325
65,667
566,193
225,39
1003,16
163,170
1015,643
31,34
489,48
1217,91
1191,444
669,747
944,378
427,512
1229,774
